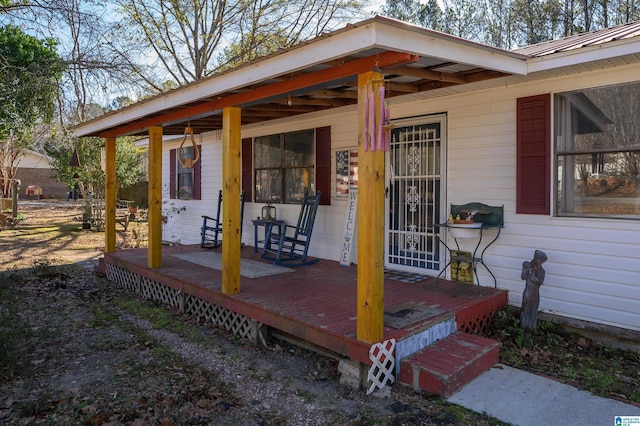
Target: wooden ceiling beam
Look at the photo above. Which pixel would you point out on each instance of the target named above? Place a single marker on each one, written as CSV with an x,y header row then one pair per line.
x,y
425,74
331,103
328,93
401,87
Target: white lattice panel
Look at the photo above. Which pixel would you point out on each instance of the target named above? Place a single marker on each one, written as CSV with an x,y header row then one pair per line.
x,y
219,316
382,356
199,308
215,315
123,277
159,292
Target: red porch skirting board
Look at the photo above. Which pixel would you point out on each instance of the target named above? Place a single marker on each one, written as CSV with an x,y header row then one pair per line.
x,y
316,303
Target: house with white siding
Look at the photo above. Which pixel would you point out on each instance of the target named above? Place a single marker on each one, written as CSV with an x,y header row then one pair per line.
x,y
549,132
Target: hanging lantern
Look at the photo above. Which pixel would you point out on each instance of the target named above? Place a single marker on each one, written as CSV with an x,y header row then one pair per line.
x,y
188,163
269,212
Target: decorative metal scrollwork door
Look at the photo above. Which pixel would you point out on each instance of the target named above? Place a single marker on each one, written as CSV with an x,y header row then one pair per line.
x,y
414,171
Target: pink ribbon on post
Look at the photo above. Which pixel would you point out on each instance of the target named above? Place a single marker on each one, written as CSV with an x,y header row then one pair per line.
x,y
372,120
366,123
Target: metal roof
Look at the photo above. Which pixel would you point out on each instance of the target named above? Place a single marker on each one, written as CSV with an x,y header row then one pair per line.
x,y
578,41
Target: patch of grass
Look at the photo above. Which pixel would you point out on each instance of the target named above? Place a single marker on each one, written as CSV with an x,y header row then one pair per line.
x,y
567,356
103,316
162,318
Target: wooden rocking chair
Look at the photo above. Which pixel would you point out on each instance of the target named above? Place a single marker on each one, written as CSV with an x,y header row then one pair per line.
x,y
212,227
292,249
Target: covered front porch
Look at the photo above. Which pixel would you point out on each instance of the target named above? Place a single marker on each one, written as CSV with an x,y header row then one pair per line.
x,y
317,305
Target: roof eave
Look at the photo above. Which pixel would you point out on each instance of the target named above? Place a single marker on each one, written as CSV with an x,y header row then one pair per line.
x,y
583,55
376,33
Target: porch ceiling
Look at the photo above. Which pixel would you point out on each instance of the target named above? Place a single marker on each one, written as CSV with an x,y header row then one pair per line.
x,y
294,81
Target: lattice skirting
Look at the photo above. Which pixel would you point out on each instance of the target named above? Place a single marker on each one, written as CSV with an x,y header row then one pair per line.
x,y
211,314
478,323
383,362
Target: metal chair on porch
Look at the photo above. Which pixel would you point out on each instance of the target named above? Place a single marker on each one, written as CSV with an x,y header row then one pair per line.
x,y
212,227
291,250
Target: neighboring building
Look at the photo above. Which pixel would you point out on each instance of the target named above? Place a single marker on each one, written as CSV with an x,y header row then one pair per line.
x,y
34,170
550,132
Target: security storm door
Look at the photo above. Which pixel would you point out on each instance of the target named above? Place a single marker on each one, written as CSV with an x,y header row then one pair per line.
x,y
414,195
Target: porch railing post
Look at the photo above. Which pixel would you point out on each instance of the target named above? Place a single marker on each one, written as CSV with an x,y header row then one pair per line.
x,y
231,176
154,258
371,180
110,196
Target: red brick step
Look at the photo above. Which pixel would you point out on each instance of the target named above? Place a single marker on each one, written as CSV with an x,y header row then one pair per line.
x,y
445,366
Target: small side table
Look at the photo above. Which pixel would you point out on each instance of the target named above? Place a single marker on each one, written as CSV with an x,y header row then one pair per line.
x,y
485,218
477,257
257,223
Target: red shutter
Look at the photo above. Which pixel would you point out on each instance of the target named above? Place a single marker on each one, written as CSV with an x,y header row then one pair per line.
x,y
197,169
534,155
247,168
323,164
173,175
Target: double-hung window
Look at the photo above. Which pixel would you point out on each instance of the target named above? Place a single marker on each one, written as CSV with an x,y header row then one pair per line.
x,y
597,151
185,176
284,166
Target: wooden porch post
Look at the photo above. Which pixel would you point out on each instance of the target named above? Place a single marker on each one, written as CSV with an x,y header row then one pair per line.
x,y
231,172
110,196
154,256
370,299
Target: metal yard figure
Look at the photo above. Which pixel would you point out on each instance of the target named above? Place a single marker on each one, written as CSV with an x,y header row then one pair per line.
x,y
533,274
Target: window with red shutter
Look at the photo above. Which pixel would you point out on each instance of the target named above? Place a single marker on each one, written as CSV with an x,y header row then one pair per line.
x,y
279,168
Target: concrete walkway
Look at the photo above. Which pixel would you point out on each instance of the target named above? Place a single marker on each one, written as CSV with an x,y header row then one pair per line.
x,y
524,399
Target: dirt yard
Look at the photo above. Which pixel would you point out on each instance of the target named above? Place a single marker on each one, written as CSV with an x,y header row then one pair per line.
x,y
76,350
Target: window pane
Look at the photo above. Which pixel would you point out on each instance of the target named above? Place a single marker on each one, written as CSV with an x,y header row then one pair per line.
x,y
267,152
268,186
185,176
298,149
186,152
597,138
185,185
610,193
296,182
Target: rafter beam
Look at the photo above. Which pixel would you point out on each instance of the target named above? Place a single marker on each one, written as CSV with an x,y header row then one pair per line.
x,y
430,75
313,101
344,94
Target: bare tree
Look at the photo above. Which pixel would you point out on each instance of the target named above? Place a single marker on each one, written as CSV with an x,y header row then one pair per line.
x,y
463,18
499,23
192,39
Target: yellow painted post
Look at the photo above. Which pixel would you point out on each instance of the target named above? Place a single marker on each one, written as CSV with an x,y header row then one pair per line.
x,y
371,181
231,175
154,256
110,196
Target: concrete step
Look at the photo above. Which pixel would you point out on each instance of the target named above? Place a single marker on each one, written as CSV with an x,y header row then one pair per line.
x,y
445,366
